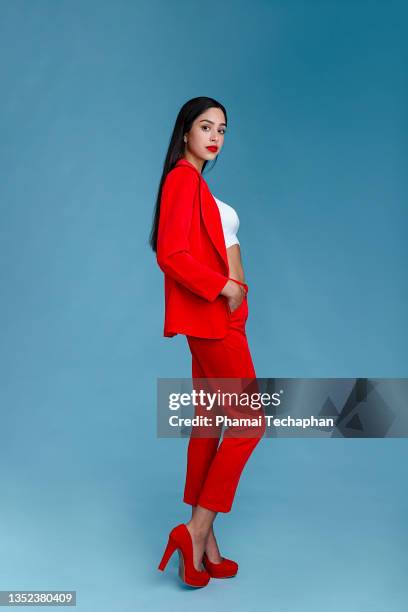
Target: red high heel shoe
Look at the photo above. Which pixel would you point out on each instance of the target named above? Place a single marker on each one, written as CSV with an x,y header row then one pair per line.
x,y
180,539
225,569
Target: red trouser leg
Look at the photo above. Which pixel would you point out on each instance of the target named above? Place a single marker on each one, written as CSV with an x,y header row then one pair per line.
x,y
213,471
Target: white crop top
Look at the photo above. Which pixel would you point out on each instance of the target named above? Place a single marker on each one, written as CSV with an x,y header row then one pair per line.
x,y
230,222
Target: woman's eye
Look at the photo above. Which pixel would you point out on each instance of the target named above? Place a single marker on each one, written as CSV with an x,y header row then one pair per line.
x,y
205,127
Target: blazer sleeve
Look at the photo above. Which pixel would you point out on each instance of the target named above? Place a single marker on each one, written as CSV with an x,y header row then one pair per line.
x,y
173,248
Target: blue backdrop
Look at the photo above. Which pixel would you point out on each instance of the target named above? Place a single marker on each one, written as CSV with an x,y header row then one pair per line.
x,y
315,164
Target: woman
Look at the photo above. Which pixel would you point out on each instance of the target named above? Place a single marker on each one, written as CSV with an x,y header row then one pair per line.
x,y
194,237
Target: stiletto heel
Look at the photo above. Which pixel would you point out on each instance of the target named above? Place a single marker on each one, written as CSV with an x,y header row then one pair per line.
x,y
180,539
170,548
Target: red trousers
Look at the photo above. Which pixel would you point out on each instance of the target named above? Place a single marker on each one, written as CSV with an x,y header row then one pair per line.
x,y
213,471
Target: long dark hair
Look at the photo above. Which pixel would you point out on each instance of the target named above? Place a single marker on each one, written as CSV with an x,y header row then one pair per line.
x,y
187,115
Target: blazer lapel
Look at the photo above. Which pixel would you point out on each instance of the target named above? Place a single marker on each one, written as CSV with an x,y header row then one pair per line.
x,y
212,220
210,214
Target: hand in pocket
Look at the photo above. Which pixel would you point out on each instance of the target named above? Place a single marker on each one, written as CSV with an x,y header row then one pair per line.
x,y
235,301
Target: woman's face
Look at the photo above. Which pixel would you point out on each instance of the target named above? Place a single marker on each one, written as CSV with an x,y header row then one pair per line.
x,y
207,130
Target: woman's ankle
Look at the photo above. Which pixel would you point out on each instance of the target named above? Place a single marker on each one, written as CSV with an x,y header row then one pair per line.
x,y
198,530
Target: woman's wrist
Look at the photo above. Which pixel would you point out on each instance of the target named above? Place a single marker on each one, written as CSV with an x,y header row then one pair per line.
x,y
226,289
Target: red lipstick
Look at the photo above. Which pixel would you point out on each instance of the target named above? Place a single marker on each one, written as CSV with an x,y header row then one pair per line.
x,y
213,149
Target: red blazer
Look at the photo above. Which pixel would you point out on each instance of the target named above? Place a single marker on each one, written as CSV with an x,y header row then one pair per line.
x,y
192,254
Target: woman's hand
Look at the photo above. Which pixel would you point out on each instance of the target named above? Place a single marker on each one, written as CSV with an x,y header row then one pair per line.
x,y
235,294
